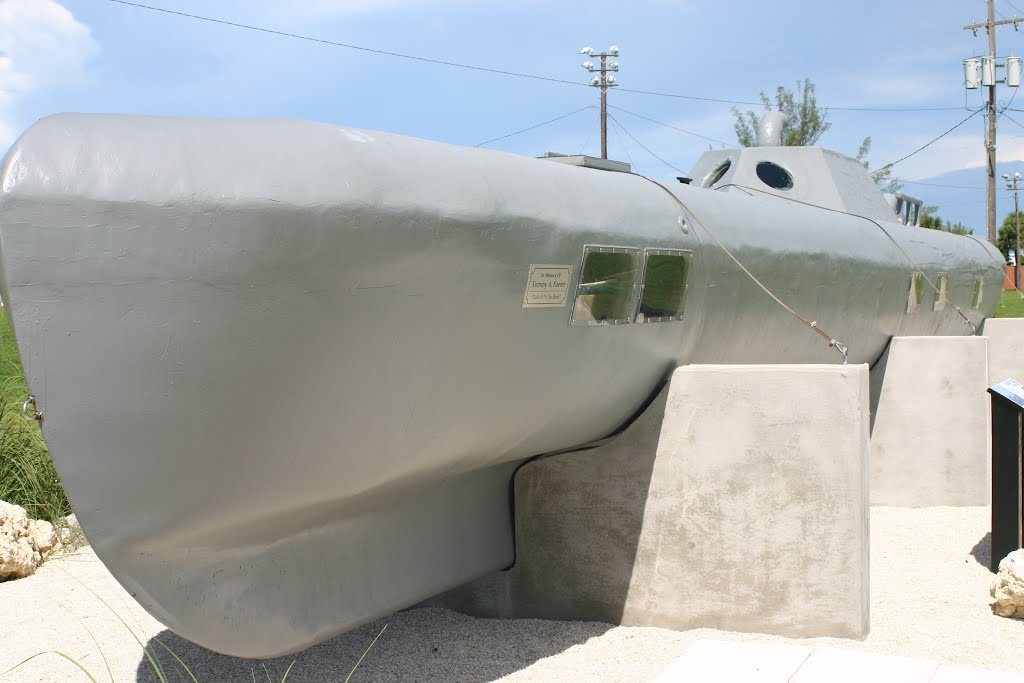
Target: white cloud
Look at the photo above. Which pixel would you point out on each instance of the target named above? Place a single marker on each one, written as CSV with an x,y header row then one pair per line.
x,y
41,46
895,90
957,152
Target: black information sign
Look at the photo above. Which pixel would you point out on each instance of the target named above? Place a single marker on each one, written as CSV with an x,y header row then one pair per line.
x,y
1007,471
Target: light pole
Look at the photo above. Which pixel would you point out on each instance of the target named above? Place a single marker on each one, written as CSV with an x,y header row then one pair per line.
x,y
1011,185
603,81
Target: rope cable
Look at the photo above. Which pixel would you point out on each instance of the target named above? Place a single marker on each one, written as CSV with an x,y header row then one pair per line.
x,y
812,324
917,268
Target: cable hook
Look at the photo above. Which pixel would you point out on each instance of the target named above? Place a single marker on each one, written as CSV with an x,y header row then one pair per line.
x,y
841,348
35,414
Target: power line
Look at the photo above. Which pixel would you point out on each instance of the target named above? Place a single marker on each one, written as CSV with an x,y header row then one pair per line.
x,y
761,104
1012,119
931,142
952,187
894,110
1012,97
538,125
646,149
585,141
473,67
668,125
349,46
615,128
1013,7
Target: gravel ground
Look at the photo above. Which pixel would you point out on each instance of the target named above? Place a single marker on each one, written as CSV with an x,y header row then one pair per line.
x,y
929,588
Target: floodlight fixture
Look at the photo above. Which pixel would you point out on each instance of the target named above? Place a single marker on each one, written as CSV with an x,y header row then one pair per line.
x,y
587,51
587,65
614,66
614,50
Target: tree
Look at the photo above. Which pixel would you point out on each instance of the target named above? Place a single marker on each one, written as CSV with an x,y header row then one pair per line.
x,y
957,228
930,220
882,177
1007,239
805,120
805,123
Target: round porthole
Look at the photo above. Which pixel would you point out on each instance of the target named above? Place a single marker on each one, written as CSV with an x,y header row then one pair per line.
x,y
717,174
773,175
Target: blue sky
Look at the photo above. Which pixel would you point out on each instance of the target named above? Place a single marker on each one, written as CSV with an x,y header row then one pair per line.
x,y
96,55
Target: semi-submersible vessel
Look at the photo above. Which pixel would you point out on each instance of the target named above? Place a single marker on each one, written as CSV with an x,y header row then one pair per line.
x,y
287,370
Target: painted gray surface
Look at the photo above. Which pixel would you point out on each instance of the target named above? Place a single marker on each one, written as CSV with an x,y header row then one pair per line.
x,y
738,500
281,361
820,176
769,129
1005,349
930,432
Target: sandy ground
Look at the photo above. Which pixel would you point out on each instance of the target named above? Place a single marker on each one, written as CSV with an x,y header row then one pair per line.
x,y
929,588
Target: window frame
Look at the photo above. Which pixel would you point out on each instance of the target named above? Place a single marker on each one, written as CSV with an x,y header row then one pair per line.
x,y
979,292
942,292
686,254
915,295
614,249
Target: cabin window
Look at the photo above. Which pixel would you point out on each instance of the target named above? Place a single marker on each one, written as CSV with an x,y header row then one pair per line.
x,y
773,175
663,292
916,292
941,282
979,290
717,174
607,286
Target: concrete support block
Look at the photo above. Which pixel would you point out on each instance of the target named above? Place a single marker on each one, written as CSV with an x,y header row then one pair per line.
x,y
1005,349
738,500
930,423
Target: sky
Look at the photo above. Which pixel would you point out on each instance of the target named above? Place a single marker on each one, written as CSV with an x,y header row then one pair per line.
x,y
104,56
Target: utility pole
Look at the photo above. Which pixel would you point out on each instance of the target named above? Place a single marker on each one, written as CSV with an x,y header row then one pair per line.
x,y
605,80
1011,185
988,72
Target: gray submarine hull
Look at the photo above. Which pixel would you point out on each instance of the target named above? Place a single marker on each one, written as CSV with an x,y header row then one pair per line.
x,y
288,369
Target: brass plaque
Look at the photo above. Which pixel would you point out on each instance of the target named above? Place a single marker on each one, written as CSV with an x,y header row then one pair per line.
x,y
547,286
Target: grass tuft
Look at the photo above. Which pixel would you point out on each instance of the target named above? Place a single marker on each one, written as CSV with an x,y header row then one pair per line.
x,y
1011,305
27,475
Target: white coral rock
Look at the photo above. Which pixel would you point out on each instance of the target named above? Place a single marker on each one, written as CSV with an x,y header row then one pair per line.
x,y
23,542
44,537
1008,586
18,555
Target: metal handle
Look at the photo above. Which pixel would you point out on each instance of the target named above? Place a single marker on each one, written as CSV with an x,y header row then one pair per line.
x,y
34,414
